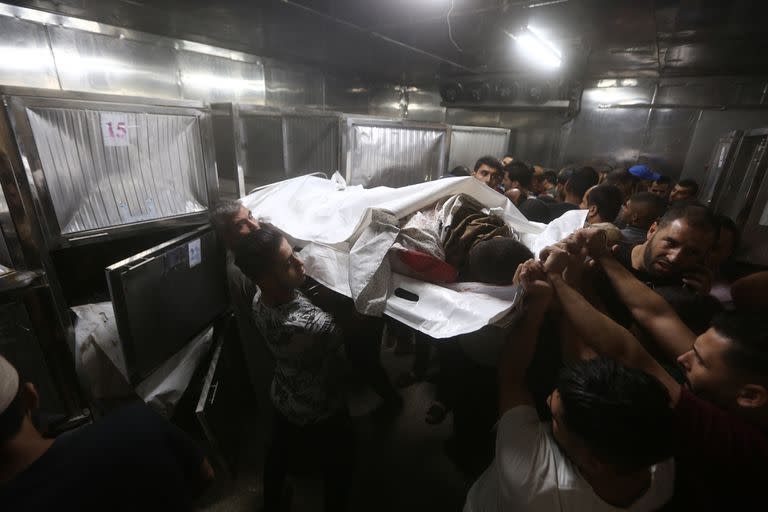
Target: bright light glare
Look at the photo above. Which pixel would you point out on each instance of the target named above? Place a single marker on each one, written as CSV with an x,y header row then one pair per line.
x,y
221,82
538,49
25,59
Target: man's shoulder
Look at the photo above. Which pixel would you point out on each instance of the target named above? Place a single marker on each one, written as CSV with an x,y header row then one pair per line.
x,y
699,416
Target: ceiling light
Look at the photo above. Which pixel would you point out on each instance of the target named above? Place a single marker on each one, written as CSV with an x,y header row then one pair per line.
x,y
535,47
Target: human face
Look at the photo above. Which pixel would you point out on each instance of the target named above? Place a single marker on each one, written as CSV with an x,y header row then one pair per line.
x,y
679,193
676,248
659,189
723,249
507,183
288,269
244,222
625,214
507,160
487,175
706,370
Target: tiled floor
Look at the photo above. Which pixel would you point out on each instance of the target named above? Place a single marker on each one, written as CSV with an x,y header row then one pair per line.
x,y
401,466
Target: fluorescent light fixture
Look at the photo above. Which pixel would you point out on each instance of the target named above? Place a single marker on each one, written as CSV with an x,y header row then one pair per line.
x,y
607,83
535,47
629,82
209,81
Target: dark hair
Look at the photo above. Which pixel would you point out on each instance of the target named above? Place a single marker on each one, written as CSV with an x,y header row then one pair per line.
x,y
608,200
564,175
12,417
691,185
581,181
520,172
459,170
256,251
550,176
622,414
748,333
619,177
695,310
695,215
725,222
221,217
495,261
656,205
664,180
491,162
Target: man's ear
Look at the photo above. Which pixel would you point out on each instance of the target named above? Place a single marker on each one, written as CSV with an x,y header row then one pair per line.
x,y
752,396
652,230
592,211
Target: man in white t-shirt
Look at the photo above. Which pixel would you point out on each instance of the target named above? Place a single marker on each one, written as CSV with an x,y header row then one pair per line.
x,y
606,447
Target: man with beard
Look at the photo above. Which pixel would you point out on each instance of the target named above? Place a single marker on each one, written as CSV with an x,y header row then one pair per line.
x,y
675,249
721,410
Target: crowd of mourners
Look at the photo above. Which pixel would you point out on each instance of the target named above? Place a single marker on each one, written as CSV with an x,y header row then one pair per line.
x,y
635,376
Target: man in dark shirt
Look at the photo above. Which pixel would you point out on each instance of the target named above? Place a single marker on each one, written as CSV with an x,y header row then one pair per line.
x,y
517,181
130,460
638,214
675,249
578,184
722,410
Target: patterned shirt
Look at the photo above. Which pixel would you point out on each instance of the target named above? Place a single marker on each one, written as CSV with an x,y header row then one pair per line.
x,y
304,340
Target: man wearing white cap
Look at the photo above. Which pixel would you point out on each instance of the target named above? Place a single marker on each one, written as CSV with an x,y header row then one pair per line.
x,y
129,460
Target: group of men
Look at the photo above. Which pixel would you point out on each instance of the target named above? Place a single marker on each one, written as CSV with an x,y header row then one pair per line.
x,y
624,385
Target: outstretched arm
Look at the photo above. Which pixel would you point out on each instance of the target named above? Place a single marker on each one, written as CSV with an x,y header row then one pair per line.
x,y
521,343
601,333
648,308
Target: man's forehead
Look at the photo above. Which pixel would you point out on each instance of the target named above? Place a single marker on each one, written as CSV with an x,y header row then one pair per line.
x,y
681,228
243,212
711,343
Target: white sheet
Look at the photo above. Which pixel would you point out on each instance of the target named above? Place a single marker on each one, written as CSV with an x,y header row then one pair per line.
x,y
326,217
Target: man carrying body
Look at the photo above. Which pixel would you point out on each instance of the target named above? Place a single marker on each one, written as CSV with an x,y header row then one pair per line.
x,y
675,249
129,460
605,448
638,214
722,411
311,418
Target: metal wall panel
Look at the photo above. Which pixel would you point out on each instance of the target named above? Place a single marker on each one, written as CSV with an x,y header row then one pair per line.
x,y
600,132
667,138
534,135
387,101
471,117
160,173
262,139
210,78
346,94
378,153
424,105
98,63
26,56
287,87
311,144
470,143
